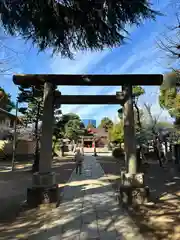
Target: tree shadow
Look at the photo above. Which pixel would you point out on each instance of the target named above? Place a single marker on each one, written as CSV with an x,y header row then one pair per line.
x,y
13,188
160,218
156,220
164,212
19,158
77,213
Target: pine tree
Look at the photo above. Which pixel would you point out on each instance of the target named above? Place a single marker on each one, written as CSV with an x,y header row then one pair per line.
x,y
5,101
33,113
67,26
33,97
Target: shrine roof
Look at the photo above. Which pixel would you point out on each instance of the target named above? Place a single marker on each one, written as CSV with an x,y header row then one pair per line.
x,y
99,131
89,80
10,115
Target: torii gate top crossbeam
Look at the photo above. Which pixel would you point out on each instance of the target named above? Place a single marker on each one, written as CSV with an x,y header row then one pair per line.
x,y
89,80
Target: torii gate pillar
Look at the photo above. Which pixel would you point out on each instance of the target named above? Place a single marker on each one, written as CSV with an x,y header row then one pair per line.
x,y
132,188
129,132
44,188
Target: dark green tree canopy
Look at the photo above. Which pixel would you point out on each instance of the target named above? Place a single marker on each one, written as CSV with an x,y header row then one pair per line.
x,y
116,133
70,126
106,123
169,97
5,101
33,98
68,25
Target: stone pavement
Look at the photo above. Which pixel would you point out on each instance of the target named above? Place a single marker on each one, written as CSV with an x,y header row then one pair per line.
x,y
89,210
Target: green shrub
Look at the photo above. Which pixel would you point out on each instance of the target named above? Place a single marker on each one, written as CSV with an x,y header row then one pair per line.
x,y
117,152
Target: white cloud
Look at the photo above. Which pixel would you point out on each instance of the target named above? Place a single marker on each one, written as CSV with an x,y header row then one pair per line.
x,y
144,59
86,111
79,64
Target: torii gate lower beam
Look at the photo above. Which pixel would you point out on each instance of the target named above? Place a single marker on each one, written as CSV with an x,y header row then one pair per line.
x,y
90,99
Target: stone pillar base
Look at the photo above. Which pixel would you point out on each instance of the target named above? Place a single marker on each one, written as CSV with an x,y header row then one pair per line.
x,y
132,190
95,155
44,190
129,195
41,195
43,180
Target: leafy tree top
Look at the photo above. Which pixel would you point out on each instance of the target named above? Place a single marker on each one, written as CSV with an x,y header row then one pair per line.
x,y
31,94
66,26
70,126
169,97
5,101
106,123
116,133
138,91
33,97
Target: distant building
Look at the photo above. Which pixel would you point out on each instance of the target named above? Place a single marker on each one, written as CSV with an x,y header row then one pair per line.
x,y
89,121
100,136
7,122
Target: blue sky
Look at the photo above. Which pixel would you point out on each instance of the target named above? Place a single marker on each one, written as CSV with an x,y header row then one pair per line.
x,y
140,54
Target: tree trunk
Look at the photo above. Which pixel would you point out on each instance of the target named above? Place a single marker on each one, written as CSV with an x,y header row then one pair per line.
x,y
62,148
139,160
35,167
139,151
138,115
54,145
74,146
129,133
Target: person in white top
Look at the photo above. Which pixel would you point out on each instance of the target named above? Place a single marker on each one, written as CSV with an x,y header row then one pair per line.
x,y
82,150
79,160
162,152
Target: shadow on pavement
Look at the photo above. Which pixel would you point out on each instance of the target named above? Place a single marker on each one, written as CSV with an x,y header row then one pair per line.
x,y
161,217
157,220
80,214
13,188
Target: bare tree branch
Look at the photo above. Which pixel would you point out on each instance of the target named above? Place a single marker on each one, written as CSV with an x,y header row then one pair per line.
x,y
170,42
9,55
154,119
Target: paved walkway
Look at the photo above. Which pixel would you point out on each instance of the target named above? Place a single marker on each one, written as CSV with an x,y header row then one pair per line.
x,y
89,210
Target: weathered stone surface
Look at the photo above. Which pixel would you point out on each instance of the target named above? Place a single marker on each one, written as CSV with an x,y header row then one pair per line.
x,y
89,231
135,180
42,195
132,189
129,195
107,235
88,210
44,180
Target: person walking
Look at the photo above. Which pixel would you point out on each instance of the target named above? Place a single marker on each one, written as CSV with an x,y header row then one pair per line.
x,y
82,150
79,160
159,150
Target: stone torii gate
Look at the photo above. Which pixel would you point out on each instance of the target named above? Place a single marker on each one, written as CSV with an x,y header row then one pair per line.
x,y
44,182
